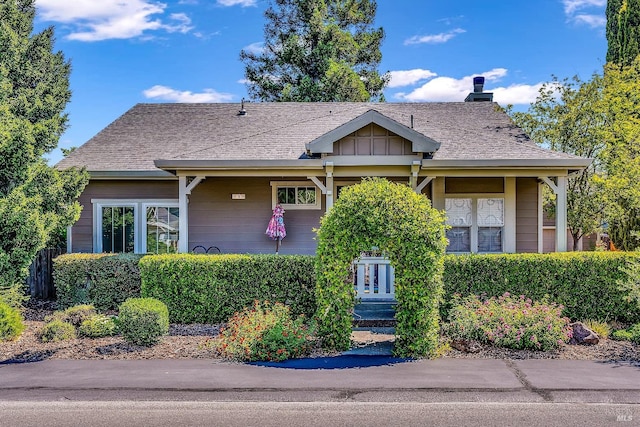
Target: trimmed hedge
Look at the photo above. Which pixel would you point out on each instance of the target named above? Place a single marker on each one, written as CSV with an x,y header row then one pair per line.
x,y
206,288
103,280
586,283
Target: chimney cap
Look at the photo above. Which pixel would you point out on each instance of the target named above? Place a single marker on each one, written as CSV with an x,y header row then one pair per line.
x,y
478,84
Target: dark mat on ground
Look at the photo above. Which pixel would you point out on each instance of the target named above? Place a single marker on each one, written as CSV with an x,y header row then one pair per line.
x,y
334,362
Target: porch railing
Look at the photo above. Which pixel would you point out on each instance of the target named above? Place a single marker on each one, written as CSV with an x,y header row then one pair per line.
x,y
374,278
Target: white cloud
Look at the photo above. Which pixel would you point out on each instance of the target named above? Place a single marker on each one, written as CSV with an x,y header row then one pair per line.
x,y
594,21
165,93
409,77
243,3
434,38
111,19
448,89
255,48
573,9
572,6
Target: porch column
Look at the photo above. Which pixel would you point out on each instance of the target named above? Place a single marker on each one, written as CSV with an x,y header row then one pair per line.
x,y
560,190
415,169
561,215
329,185
438,193
510,214
184,189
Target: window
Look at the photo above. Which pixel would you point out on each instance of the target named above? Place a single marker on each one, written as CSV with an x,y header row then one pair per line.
x,y
490,222
459,215
295,195
148,226
476,224
118,229
162,229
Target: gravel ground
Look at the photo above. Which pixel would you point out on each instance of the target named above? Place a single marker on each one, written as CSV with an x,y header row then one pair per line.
x,y
194,342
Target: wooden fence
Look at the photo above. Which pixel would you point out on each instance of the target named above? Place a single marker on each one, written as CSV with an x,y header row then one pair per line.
x,y
40,279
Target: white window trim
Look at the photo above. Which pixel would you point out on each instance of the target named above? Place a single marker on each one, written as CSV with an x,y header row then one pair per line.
x,y
287,206
139,205
474,214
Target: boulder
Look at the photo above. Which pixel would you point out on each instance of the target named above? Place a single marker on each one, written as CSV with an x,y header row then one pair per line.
x,y
466,346
583,335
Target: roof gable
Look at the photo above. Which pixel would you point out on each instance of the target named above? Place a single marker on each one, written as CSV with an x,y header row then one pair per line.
x,y
419,142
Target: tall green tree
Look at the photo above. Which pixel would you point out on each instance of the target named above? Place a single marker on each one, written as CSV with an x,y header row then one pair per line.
x,y
621,157
317,50
569,116
35,200
623,31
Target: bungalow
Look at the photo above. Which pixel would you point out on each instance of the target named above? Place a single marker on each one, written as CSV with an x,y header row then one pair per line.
x,y
173,177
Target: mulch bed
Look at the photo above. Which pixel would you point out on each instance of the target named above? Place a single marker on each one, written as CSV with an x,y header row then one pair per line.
x,y
194,342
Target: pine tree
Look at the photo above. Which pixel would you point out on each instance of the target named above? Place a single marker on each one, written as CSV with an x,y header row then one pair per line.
x,y
36,200
623,31
317,50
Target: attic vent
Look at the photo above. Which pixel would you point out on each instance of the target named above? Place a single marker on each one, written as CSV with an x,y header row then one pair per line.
x,y
242,111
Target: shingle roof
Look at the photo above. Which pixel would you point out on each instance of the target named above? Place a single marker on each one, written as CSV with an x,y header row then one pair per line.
x,y
279,131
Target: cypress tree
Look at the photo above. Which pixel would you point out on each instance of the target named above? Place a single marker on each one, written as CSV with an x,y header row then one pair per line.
x,y
623,31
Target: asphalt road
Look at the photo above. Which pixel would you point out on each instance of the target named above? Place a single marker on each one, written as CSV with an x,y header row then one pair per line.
x,y
309,414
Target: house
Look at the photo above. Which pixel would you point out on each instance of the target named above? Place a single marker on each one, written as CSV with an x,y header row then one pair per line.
x,y
172,177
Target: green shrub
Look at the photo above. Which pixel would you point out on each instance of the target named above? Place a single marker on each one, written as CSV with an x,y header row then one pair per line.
x,y
11,325
15,296
78,314
585,283
601,328
57,330
509,322
264,331
630,334
97,326
622,335
205,289
401,224
142,321
103,280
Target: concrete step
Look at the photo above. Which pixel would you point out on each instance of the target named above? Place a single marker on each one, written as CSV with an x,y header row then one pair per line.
x,y
374,310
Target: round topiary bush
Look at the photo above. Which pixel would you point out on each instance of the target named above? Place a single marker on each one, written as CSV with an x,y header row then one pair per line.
x,y
142,321
402,224
57,330
11,325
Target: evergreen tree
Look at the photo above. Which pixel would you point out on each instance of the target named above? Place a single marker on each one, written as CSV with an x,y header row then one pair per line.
x,y
36,201
623,31
317,50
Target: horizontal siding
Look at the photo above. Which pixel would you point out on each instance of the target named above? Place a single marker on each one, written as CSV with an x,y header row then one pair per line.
x,y
82,231
238,226
526,215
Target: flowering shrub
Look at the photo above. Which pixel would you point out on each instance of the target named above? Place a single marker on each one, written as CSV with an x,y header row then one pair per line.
x,y
264,331
517,323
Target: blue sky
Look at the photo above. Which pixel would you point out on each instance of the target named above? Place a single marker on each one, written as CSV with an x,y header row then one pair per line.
x,y
125,52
